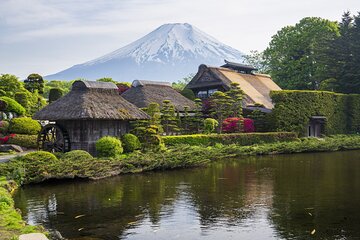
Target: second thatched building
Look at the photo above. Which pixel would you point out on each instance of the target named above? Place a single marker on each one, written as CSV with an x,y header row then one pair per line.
x,y
142,93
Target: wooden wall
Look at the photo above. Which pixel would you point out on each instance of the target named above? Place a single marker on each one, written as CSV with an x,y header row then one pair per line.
x,y
84,133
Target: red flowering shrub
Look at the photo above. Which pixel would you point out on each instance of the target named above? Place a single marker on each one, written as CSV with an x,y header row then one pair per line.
x,y
5,139
234,124
248,125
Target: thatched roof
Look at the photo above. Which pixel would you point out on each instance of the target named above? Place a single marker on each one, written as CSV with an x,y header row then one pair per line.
x,y
91,100
142,93
256,87
238,67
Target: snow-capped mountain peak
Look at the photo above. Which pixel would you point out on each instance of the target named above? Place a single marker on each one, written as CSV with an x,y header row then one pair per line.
x,y
176,44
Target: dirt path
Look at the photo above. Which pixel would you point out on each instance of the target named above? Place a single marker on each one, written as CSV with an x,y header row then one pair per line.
x,y
6,158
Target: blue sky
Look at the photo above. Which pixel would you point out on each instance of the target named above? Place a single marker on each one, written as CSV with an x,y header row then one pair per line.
x,y
46,36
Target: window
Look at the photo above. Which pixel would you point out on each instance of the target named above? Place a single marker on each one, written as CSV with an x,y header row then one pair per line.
x,y
202,94
211,91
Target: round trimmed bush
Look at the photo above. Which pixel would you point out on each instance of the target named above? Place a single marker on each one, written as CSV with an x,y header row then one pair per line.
x,y
108,147
24,125
13,106
39,156
55,94
130,142
77,155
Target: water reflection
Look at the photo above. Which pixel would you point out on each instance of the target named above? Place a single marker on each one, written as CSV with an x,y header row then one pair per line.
x,y
273,197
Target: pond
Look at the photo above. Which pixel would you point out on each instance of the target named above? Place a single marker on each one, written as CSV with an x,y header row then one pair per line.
x,y
300,196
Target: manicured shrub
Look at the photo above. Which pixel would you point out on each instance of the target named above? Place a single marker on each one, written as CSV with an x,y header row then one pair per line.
x,y
108,147
248,125
27,141
22,99
55,94
234,138
13,106
36,166
130,142
77,155
24,125
39,156
210,125
293,109
188,93
232,125
4,126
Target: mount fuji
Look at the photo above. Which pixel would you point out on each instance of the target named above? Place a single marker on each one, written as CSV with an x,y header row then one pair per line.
x,y
169,53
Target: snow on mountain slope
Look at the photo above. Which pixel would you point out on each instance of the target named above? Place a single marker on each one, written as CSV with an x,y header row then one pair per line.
x,y
168,53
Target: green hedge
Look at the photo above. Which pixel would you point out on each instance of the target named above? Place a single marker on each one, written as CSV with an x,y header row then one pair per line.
x,y
24,125
293,109
27,141
13,106
243,139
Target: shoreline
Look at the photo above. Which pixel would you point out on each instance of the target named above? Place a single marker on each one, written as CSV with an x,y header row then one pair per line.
x,y
181,156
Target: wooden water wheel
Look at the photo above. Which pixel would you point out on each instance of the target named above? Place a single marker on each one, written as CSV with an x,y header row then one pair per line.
x,y
53,138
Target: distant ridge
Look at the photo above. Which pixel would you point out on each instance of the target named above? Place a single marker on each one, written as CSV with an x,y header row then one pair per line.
x,y
169,53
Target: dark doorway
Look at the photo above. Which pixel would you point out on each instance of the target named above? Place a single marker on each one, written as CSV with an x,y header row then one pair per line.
x,y
316,126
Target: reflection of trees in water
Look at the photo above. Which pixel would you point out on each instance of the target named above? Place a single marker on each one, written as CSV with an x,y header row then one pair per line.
x,y
114,204
303,192
321,193
229,193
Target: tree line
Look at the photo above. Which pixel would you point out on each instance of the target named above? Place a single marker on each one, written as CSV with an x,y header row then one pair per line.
x,y
314,54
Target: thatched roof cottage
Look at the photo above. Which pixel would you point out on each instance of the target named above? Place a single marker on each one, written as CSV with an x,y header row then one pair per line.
x,y
90,111
142,93
256,86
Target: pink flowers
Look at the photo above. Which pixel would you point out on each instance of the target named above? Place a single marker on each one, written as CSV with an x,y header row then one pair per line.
x,y
234,124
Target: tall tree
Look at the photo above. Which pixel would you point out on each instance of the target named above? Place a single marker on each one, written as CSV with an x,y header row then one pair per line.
x,y
257,60
34,82
294,52
10,84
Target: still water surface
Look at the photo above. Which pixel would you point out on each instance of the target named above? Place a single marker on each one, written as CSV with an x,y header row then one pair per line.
x,y
301,196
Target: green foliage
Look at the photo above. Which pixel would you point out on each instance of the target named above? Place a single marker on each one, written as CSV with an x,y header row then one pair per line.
x,y
77,155
108,147
2,93
153,110
188,93
293,110
262,121
13,106
210,125
22,99
27,141
34,82
256,59
4,126
168,118
130,142
55,94
181,84
341,57
294,53
24,125
106,79
11,223
65,86
234,138
9,84
235,95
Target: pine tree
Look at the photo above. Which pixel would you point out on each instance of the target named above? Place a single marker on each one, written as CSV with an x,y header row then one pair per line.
x,y
220,107
168,118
